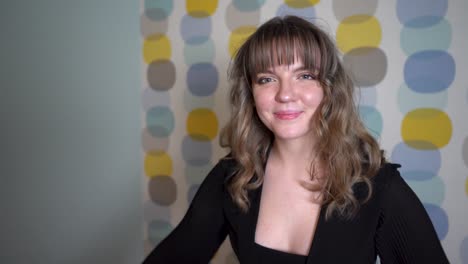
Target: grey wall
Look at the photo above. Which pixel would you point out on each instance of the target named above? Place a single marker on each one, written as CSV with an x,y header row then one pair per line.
x,y
69,132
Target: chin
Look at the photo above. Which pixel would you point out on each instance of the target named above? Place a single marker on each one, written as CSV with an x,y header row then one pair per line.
x,y
289,135
286,134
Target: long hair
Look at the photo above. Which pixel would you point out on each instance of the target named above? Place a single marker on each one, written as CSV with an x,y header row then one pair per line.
x,y
346,152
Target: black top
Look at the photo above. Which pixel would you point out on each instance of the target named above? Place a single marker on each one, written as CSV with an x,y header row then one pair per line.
x,y
273,256
392,224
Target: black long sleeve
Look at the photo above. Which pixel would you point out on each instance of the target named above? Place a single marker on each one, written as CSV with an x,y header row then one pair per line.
x,y
201,231
392,224
405,233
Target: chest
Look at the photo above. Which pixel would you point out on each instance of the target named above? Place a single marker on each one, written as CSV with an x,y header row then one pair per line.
x,y
354,239
287,218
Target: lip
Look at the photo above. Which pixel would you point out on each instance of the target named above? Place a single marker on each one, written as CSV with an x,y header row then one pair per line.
x,y
287,115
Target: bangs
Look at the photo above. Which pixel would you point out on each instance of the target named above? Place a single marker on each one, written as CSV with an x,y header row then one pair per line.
x,y
282,44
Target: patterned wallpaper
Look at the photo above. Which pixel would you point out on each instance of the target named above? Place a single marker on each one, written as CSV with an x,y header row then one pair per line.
x,y
406,56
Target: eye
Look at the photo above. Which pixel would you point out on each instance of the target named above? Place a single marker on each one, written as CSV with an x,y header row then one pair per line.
x,y
307,76
264,80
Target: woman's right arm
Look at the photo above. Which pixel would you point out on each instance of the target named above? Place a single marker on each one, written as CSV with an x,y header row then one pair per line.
x,y
203,228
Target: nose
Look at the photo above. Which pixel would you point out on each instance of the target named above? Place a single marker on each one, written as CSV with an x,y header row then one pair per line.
x,y
285,92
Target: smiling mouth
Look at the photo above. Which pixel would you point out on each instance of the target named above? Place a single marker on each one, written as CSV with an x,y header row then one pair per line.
x,y
287,115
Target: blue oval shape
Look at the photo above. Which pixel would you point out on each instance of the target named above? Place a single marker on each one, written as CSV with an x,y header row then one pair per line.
x,y
158,229
248,5
158,10
429,71
372,119
436,37
203,52
421,13
418,175
464,250
439,219
195,30
431,191
308,13
416,160
196,153
160,121
409,100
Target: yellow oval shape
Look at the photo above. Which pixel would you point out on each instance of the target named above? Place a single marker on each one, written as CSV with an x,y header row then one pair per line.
x,y
201,8
202,124
157,164
238,37
357,32
301,3
426,128
156,47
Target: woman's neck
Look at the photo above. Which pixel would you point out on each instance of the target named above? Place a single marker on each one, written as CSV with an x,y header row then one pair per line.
x,y
290,153
295,162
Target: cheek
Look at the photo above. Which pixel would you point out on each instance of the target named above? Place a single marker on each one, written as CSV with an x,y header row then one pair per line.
x,y
261,101
313,99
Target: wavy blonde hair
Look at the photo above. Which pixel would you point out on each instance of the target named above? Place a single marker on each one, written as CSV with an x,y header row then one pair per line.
x,y
346,152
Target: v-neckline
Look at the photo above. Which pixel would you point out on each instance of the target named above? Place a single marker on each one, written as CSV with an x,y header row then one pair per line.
x,y
257,201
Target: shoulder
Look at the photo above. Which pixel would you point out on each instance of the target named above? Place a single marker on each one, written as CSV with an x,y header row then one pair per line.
x,y
222,171
212,189
392,188
386,175
228,162
228,165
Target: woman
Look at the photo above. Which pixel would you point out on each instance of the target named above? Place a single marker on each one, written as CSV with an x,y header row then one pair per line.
x,y
304,181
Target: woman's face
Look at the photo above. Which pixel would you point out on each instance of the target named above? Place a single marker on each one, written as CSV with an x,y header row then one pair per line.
x,y
286,98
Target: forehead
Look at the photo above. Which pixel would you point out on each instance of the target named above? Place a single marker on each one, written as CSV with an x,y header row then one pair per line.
x,y
296,65
280,45
282,57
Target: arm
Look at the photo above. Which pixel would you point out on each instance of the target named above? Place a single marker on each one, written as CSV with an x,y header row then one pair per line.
x,y
405,233
201,231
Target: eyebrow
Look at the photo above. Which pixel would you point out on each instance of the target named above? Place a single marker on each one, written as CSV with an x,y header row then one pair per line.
x,y
301,68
